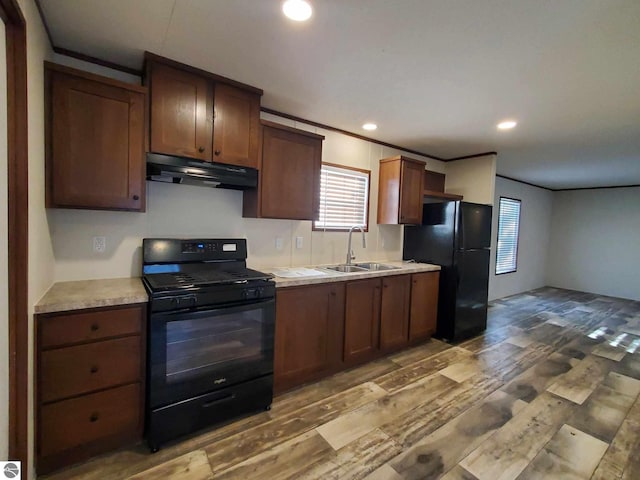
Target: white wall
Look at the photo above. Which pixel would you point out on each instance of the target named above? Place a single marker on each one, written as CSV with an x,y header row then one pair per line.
x,y
4,306
595,242
41,261
473,178
186,211
535,226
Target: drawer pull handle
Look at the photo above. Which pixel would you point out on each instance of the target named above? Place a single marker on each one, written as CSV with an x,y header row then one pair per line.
x,y
94,369
95,327
218,401
93,417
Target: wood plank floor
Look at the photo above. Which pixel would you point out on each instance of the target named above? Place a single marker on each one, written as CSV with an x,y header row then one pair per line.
x,y
551,390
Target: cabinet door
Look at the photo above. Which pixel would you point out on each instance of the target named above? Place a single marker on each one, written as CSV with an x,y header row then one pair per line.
x,y
181,113
394,312
290,176
362,320
411,189
424,305
96,145
309,333
236,128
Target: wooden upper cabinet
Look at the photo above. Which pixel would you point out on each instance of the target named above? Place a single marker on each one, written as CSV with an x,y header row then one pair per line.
x,y
309,333
362,321
197,114
400,190
95,141
394,312
181,113
236,127
423,315
289,185
434,183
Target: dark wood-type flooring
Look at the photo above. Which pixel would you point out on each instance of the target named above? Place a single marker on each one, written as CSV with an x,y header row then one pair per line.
x,y
549,391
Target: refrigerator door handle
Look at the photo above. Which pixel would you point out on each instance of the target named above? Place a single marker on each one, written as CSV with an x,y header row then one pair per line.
x,y
461,227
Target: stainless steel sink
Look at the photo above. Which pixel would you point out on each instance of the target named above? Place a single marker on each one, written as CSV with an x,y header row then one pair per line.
x,y
346,268
376,266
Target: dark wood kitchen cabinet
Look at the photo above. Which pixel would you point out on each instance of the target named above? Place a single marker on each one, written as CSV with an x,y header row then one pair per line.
x,y
324,328
362,321
181,113
400,190
423,315
394,312
309,333
289,185
95,141
90,383
197,114
236,126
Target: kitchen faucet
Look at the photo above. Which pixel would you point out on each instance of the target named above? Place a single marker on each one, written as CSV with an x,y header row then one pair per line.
x,y
350,255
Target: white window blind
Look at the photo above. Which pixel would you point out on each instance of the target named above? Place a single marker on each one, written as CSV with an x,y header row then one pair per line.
x,y
508,231
344,198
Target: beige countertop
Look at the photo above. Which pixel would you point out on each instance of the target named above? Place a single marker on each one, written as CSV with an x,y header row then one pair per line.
x,y
63,296
328,276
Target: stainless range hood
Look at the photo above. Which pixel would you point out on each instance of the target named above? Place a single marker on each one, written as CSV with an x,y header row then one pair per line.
x,y
170,169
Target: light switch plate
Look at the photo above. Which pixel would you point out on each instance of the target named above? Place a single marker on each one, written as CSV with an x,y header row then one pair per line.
x,y
278,243
299,242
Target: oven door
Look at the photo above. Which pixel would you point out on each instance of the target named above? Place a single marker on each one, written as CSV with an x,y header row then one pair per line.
x,y
199,351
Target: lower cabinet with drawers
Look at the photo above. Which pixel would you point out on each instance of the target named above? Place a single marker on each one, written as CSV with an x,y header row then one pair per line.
x,y
90,383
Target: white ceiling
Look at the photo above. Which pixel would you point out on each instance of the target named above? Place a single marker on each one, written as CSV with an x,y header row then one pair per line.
x,y
436,76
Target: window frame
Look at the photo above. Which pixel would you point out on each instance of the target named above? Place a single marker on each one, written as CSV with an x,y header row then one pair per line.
x,y
517,239
367,205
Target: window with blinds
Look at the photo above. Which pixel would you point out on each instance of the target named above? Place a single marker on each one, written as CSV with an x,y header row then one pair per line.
x,y
344,198
508,231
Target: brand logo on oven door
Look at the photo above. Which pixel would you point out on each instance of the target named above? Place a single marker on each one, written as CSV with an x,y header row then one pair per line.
x,y
219,381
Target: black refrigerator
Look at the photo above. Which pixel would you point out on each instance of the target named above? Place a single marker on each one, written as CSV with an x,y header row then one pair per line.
x,y
457,236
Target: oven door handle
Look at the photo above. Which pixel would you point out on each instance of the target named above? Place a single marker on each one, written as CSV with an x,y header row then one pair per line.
x,y
217,401
211,310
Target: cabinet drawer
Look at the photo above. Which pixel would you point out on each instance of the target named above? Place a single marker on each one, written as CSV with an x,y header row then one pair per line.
x,y
65,372
74,422
81,327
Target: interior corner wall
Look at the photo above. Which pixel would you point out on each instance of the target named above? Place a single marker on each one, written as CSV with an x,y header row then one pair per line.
x,y
473,178
535,228
595,241
41,259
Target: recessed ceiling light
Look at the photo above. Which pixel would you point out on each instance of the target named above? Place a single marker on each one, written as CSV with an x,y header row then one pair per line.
x,y
298,10
369,126
506,125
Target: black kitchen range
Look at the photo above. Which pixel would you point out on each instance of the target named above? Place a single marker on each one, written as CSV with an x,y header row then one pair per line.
x,y
210,335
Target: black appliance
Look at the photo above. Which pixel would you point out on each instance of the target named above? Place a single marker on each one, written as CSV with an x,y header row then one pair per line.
x,y
457,236
210,335
171,169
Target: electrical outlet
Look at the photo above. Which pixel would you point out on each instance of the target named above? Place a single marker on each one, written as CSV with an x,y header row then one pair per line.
x,y
99,244
299,242
278,243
